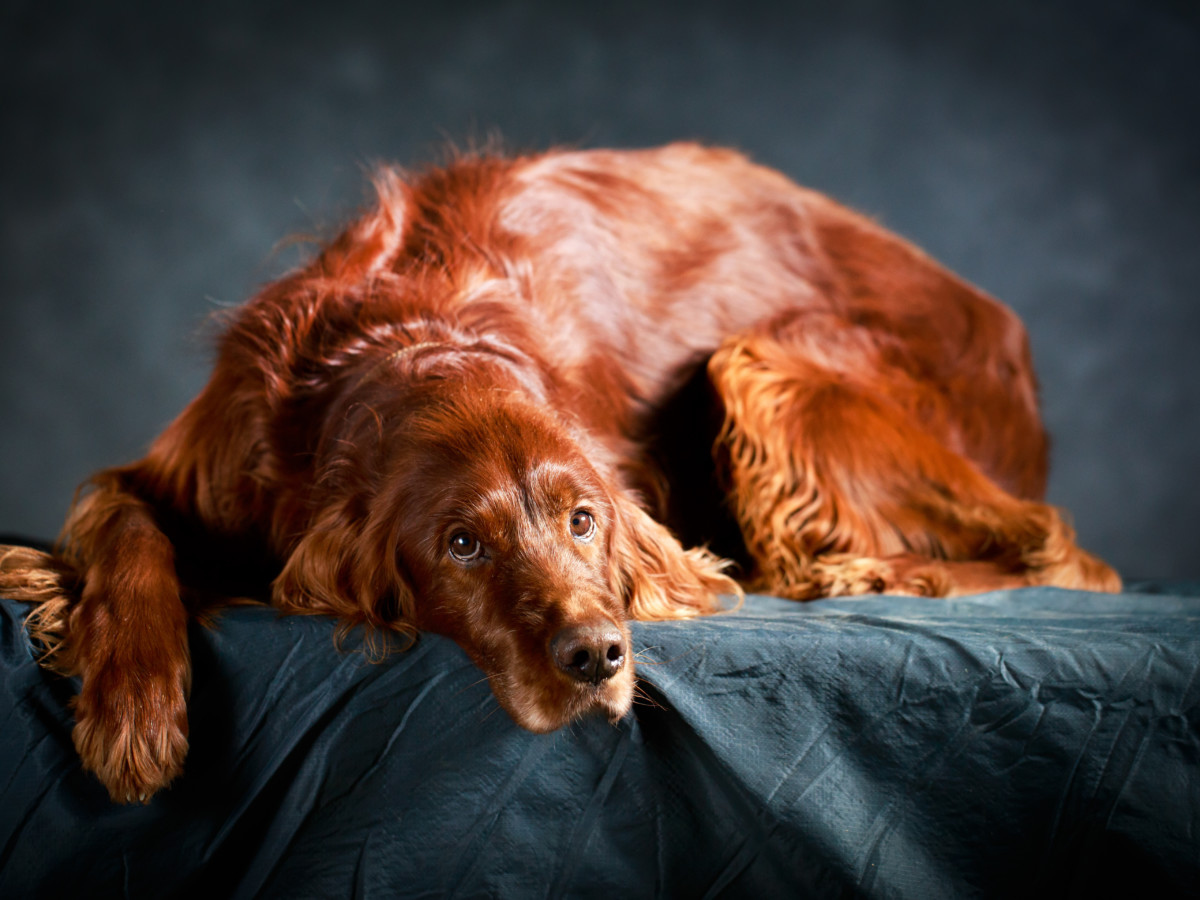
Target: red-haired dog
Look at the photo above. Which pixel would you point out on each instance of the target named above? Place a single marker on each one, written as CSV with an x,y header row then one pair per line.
x,y
470,415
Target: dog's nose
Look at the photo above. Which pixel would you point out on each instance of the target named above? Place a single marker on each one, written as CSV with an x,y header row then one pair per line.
x,y
588,652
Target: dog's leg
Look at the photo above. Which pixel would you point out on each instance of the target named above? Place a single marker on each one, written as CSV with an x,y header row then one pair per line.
x,y
108,606
844,479
128,643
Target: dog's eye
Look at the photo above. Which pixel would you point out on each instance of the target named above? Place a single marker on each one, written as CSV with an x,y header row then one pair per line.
x,y
583,526
465,547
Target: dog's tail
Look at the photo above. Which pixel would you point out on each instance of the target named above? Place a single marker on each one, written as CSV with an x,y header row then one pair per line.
x,y
37,576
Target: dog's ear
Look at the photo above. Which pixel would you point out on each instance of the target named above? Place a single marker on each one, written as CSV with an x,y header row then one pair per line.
x,y
336,570
656,576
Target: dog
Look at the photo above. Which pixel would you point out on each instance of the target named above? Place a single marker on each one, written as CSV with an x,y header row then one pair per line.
x,y
488,407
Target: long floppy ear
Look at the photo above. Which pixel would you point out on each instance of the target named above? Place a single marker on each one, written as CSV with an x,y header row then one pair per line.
x,y
657,577
336,570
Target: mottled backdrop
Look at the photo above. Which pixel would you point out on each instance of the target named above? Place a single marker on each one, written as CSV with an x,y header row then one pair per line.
x,y
153,158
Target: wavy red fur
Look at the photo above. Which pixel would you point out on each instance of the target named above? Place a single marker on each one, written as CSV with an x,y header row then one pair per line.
x,y
455,419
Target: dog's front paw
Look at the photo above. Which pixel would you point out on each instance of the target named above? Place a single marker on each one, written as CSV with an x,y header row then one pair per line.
x,y
131,729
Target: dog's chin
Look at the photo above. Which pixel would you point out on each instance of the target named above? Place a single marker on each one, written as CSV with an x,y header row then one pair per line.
x,y
540,709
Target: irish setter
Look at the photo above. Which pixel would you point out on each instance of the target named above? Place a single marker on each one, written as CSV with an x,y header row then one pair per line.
x,y
487,408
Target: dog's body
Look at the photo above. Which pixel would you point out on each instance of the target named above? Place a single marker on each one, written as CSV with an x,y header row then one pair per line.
x,y
455,419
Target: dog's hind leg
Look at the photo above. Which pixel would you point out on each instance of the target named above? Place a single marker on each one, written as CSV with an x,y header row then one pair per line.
x,y
845,479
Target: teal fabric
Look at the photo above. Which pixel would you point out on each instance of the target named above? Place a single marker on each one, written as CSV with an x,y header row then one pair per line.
x,y
1016,744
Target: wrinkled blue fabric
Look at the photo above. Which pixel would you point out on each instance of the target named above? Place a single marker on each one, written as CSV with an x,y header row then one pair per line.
x,y
1016,744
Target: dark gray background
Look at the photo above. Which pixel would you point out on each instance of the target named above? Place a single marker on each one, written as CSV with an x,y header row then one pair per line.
x,y
154,158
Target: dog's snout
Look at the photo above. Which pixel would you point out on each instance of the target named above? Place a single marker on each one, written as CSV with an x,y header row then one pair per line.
x,y
589,653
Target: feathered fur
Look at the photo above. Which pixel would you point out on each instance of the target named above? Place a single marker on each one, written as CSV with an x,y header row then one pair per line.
x,y
454,419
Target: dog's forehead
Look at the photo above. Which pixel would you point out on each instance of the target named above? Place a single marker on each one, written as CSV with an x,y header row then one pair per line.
x,y
495,457
529,475
495,430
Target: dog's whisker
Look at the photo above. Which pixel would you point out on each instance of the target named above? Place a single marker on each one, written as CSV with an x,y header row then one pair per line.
x,y
468,687
641,698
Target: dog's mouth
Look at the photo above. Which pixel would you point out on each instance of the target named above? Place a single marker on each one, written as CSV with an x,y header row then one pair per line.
x,y
544,701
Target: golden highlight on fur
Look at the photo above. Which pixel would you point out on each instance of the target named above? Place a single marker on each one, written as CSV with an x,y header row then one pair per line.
x,y
465,415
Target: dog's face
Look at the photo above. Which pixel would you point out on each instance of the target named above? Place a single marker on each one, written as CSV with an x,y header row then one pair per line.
x,y
505,533
461,504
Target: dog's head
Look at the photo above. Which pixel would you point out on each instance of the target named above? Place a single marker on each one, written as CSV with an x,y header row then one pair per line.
x,y
470,508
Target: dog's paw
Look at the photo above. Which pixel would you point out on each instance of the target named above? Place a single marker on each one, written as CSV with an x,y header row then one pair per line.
x,y
842,575
131,729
